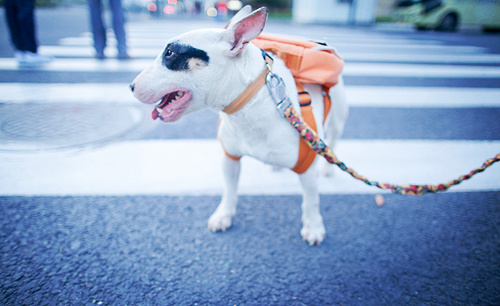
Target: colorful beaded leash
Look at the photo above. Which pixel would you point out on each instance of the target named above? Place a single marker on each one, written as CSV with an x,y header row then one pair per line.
x,y
285,108
312,139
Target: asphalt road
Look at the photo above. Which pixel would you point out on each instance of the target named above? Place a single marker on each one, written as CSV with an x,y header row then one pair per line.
x,y
434,250
155,249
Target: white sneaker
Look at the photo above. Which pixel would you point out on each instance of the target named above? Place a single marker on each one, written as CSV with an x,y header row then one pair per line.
x,y
19,55
30,59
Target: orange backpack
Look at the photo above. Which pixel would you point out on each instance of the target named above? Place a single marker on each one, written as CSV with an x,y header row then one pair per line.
x,y
309,62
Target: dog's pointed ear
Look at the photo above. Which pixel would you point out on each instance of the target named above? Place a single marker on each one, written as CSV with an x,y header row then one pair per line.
x,y
244,12
248,27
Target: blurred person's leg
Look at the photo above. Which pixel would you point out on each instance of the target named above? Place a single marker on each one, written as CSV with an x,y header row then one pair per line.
x,y
119,27
21,23
27,22
97,27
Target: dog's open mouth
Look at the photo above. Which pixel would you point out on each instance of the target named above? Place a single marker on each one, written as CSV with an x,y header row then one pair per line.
x,y
172,105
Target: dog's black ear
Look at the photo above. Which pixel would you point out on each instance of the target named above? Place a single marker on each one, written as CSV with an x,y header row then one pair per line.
x,y
241,32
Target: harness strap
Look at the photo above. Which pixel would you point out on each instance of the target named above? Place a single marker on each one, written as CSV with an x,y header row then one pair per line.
x,y
251,90
247,95
327,102
306,154
232,157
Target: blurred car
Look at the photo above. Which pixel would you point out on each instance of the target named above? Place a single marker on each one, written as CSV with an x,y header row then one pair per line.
x,y
448,15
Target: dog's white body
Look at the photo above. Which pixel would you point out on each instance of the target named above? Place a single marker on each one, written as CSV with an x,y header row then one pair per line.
x,y
216,66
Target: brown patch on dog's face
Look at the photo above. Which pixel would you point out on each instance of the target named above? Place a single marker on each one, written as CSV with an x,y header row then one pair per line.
x,y
196,63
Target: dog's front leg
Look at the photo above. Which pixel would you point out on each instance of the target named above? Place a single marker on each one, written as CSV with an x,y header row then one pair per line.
x,y
222,217
313,230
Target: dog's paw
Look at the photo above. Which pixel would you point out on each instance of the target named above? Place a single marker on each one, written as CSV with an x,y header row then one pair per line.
x,y
313,233
219,222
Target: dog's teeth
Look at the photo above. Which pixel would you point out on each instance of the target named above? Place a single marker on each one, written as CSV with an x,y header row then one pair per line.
x,y
159,110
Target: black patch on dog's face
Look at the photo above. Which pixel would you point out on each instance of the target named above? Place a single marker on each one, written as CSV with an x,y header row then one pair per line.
x,y
177,56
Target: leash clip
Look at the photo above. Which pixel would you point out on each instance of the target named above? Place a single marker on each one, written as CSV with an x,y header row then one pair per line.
x,y
278,93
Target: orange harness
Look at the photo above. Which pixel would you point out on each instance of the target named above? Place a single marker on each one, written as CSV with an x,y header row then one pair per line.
x,y
306,154
307,66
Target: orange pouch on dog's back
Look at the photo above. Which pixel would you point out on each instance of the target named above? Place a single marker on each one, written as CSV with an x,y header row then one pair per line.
x,y
309,62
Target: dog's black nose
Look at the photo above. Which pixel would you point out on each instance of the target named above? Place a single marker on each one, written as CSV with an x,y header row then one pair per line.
x,y
132,86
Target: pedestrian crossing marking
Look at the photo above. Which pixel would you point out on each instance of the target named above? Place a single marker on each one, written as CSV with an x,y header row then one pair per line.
x,y
184,171
370,45
153,52
352,69
358,96
422,71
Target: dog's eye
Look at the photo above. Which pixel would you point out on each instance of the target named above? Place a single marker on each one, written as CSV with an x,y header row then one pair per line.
x,y
169,53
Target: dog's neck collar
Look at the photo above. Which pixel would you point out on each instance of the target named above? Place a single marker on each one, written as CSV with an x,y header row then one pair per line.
x,y
252,89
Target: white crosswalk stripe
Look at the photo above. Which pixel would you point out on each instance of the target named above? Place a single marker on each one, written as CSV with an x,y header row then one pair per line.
x,y
353,69
176,167
133,167
365,96
370,44
72,51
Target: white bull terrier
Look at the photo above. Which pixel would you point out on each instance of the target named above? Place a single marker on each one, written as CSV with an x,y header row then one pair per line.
x,y
210,68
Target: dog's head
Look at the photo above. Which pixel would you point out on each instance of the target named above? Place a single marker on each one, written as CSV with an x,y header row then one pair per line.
x,y
196,66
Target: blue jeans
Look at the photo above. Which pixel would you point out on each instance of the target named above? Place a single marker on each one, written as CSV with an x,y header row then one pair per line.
x,y
21,22
99,29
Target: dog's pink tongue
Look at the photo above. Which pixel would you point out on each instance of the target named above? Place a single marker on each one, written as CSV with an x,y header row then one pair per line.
x,y
155,114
